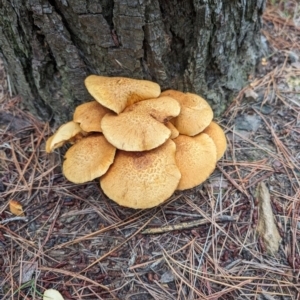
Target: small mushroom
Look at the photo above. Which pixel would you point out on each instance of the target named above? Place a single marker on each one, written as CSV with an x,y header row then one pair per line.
x,y
196,159
218,136
65,133
140,126
89,116
116,93
88,159
195,114
142,179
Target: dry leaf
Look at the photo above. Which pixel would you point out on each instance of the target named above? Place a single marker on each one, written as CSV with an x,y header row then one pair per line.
x,y
28,269
16,208
266,227
249,93
167,277
52,294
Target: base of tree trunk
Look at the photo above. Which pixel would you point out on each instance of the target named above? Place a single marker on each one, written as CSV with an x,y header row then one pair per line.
x,y
49,47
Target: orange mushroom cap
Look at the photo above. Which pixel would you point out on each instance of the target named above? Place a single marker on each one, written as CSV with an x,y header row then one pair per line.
x,y
195,114
218,136
142,179
140,126
196,159
88,159
65,133
116,93
89,116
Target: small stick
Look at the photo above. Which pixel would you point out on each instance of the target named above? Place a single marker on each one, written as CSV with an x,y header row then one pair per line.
x,y
9,86
186,225
24,219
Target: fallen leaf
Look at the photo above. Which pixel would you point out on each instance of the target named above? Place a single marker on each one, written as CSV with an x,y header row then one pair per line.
x,y
52,294
167,277
266,227
16,208
249,93
28,270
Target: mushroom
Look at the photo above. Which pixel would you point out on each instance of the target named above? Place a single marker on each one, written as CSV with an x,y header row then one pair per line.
x,y
67,132
89,116
195,114
196,159
142,144
142,179
116,93
174,131
140,126
218,136
88,159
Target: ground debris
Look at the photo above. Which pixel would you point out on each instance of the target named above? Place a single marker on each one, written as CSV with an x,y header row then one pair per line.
x,y
28,270
16,208
52,294
186,225
266,227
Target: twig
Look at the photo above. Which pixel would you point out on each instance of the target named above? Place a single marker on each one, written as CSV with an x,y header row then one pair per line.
x,y
186,225
24,219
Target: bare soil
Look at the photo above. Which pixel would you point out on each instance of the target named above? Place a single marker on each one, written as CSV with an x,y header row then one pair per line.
x,y
202,243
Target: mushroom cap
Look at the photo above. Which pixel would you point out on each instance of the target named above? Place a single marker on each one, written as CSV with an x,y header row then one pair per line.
x,y
196,159
140,126
174,131
218,136
116,93
89,116
64,134
142,179
88,159
195,114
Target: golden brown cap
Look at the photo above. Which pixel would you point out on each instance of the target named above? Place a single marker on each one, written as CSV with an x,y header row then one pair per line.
x,y
142,179
116,93
195,158
195,114
63,135
88,159
174,131
141,126
218,136
89,116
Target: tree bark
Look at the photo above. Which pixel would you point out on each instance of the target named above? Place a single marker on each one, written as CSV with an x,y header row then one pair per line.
x,y
209,47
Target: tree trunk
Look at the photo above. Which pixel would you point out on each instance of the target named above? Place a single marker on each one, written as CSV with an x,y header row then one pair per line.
x,y
209,47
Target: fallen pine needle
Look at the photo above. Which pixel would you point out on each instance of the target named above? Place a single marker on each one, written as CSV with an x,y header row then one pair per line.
x,y
74,275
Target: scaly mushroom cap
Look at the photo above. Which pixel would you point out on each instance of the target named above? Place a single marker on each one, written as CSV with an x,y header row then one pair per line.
x,y
88,159
196,159
64,134
142,179
218,136
140,126
116,93
174,131
195,114
89,116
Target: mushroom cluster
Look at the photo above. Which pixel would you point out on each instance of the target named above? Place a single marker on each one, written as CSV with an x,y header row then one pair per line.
x,y
143,143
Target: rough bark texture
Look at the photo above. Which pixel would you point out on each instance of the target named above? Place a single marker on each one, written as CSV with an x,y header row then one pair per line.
x,y
205,46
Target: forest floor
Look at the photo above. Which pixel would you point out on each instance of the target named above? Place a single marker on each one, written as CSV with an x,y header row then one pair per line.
x,y
77,241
